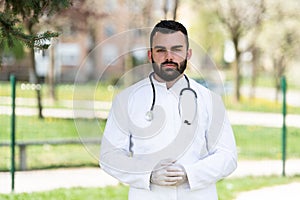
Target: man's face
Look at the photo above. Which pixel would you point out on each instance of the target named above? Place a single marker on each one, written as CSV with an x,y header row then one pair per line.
x,y
169,55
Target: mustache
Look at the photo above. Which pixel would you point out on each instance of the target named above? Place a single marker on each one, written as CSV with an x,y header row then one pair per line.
x,y
170,62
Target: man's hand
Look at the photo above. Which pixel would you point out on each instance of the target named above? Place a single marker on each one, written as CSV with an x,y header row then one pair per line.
x,y
168,173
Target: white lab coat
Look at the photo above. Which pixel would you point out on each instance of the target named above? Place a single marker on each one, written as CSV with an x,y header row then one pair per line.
x,y
210,156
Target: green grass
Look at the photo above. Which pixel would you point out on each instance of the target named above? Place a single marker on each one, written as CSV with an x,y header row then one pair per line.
x,y
256,143
253,142
33,128
50,156
107,193
53,156
228,189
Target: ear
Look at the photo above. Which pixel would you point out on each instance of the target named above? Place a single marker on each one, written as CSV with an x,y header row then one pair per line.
x,y
189,54
150,55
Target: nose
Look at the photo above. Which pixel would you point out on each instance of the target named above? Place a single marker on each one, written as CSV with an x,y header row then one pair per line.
x,y
169,55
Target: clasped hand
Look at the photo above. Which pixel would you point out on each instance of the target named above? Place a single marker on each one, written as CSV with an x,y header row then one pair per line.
x,y
168,173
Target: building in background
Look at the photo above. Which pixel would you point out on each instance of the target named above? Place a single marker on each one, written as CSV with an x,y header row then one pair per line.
x,y
107,43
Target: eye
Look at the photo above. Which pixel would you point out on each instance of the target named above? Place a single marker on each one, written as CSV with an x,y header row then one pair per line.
x,y
177,49
161,50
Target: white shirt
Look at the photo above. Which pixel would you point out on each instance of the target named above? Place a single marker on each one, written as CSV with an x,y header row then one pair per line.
x,y
209,155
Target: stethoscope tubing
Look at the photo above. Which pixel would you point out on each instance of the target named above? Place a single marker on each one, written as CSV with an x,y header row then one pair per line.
x,y
180,94
149,114
153,91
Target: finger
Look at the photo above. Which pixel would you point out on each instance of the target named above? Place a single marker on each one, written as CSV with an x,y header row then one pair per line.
x,y
174,174
169,183
174,168
172,179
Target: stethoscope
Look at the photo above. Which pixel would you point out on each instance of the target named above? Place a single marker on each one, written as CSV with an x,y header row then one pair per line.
x,y
149,114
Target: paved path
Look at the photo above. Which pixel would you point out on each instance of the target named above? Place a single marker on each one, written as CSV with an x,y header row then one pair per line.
x,y
43,180
266,168
262,119
281,192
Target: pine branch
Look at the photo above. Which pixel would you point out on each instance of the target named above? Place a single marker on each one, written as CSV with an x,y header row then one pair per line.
x,y
9,31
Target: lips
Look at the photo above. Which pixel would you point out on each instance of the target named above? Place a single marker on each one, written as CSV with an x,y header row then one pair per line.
x,y
172,65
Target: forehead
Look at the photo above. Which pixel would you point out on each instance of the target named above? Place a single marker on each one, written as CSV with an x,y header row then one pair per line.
x,y
169,39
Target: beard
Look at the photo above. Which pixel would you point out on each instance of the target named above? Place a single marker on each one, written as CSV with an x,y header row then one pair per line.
x,y
169,74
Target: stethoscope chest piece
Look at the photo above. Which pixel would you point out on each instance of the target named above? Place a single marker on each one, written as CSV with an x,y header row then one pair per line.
x,y
149,115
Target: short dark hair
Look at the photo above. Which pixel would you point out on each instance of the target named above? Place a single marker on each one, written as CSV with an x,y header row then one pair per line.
x,y
168,27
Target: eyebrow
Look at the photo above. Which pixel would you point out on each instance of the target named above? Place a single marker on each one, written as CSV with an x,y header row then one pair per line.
x,y
163,47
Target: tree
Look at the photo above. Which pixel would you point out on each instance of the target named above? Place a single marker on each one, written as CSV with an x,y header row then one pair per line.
x,y
17,23
242,21
81,17
240,18
167,7
282,46
13,15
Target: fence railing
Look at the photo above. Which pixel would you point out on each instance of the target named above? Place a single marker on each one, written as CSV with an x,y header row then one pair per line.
x,y
24,144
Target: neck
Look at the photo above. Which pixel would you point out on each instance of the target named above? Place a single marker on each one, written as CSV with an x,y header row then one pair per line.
x,y
169,84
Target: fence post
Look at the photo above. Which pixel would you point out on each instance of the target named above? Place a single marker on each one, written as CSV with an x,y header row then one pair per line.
x,y
283,87
13,138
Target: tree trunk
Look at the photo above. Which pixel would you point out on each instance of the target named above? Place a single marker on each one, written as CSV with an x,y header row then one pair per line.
x,y
36,82
165,8
236,64
34,75
255,62
51,76
175,9
237,81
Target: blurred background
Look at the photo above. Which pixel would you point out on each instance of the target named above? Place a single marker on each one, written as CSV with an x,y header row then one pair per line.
x,y
71,57
260,37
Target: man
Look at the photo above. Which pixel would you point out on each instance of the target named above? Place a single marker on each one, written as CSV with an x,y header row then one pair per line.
x,y
167,136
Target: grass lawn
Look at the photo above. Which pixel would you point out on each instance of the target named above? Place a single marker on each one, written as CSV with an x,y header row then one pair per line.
x,y
107,193
253,142
50,156
227,190
33,128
